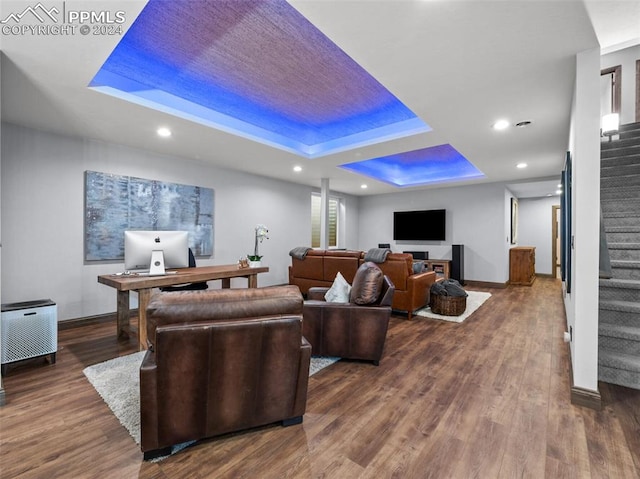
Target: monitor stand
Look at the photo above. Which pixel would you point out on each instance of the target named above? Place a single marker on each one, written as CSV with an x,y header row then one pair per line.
x,y
156,267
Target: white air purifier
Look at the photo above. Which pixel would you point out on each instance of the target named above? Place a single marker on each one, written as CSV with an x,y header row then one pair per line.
x,y
29,329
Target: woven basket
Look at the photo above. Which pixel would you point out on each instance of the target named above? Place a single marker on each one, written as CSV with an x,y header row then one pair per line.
x,y
448,305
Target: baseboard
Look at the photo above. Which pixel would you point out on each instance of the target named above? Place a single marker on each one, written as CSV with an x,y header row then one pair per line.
x,y
87,320
580,396
484,284
586,398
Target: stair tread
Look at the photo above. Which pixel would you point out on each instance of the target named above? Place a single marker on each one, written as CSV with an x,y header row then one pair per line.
x,y
620,331
621,214
620,283
616,359
621,263
622,229
616,245
619,305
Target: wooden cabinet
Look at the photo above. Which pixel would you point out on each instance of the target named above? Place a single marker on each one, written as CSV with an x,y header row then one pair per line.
x,y
522,265
440,266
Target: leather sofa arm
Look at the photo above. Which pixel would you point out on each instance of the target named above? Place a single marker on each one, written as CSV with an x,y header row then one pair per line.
x,y
149,397
368,310
317,293
426,278
300,401
419,285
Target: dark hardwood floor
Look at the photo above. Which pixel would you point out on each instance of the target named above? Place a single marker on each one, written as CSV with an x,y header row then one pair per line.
x,y
488,398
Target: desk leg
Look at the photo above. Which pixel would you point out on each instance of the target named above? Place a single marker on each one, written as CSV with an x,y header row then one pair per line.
x,y
252,280
144,295
226,283
122,315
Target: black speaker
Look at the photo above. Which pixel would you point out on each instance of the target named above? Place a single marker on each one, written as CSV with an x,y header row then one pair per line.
x,y
457,262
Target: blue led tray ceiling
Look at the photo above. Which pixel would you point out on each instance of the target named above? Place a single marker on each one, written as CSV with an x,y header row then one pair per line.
x,y
253,68
436,164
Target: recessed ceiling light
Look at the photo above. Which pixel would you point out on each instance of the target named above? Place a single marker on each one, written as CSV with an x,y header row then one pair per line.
x,y
163,132
558,192
501,125
559,185
297,169
521,165
363,186
522,124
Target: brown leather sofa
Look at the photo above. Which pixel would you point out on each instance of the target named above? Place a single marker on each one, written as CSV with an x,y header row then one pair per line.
x,y
351,330
319,268
221,361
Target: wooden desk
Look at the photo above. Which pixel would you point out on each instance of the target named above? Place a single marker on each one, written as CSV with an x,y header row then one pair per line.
x,y
144,284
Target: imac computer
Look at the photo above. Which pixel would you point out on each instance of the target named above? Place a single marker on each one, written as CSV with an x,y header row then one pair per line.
x,y
153,251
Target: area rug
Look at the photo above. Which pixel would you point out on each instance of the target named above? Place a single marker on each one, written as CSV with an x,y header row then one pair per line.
x,y
474,301
117,381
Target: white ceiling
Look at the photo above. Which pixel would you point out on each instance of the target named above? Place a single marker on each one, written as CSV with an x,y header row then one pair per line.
x,y
459,65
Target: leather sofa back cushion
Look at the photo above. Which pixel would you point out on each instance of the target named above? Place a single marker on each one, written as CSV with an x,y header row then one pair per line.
x,y
367,284
221,304
398,268
346,265
312,267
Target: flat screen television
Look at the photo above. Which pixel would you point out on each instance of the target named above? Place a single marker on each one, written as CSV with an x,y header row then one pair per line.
x,y
153,251
423,225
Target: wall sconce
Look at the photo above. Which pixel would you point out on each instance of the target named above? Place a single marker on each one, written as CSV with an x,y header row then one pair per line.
x,y
610,124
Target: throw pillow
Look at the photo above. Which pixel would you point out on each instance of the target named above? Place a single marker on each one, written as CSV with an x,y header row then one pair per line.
x,y
339,291
367,284
418,267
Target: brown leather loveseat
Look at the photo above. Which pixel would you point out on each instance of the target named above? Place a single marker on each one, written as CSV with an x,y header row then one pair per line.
x,y
221,361
319,268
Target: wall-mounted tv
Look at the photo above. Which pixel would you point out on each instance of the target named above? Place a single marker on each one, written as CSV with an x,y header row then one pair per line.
x,y
423,225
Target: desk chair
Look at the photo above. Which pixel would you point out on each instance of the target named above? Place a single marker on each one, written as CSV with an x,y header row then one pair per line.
x,y
188,286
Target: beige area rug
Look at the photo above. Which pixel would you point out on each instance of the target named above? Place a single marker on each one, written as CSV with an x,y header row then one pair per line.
x,y
474,301
117,381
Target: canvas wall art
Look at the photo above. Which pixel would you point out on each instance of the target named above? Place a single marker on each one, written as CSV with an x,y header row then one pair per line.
x,y
115,203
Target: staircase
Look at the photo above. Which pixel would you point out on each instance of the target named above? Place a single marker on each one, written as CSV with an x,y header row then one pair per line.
x,y
619,318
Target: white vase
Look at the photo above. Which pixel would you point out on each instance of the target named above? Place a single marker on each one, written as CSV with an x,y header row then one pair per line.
x,y
255,264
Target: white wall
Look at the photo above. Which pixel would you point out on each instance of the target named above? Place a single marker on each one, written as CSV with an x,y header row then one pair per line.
x,y
535,229
43,211
582,303
475,218
626,58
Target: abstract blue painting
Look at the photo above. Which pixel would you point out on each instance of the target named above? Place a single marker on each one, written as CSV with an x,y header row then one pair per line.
x,y
115,203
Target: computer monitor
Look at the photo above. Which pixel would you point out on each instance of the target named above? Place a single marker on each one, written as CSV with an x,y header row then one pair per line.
x,y
156,250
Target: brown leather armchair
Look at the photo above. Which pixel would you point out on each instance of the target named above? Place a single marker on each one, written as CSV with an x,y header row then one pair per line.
x,y
349,330
221,361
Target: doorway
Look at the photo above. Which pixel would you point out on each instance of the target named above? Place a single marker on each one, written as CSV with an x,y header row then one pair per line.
x,y
555,241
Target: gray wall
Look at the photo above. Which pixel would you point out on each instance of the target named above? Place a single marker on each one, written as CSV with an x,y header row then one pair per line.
x,y
43,211
42,218
535,229
476,217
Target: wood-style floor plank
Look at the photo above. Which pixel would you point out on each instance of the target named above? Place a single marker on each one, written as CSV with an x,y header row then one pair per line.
x,y
487,398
